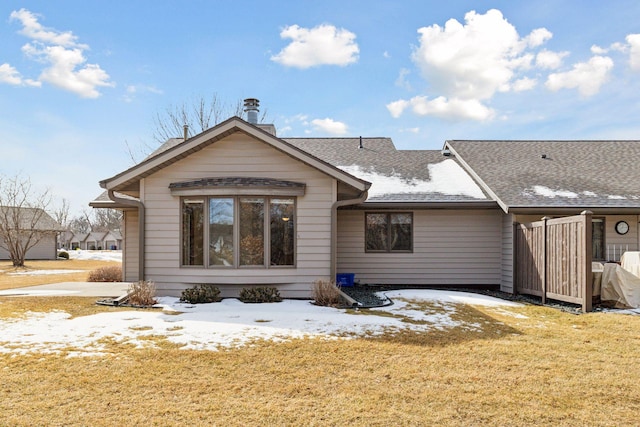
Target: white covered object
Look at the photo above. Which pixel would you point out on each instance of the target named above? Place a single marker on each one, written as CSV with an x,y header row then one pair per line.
x,y
630,261
620,286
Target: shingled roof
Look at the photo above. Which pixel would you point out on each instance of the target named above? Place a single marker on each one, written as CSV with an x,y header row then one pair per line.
x,y
396,175
555,174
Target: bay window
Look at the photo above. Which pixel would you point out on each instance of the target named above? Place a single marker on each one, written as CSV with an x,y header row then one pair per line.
x,y
238,232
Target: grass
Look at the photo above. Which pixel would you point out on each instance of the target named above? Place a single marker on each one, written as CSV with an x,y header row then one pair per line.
x,y
8,281
513,367
507,367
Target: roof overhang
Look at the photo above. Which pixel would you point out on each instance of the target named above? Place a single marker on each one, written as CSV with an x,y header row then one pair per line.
x,y
487,204
555,210
237,186
129,179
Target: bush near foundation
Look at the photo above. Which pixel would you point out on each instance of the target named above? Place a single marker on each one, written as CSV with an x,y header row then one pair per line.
x,y
326,293
142,293
112,273
201,294
260,294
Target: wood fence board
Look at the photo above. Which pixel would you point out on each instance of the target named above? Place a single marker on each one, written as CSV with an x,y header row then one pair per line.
x,y
553,259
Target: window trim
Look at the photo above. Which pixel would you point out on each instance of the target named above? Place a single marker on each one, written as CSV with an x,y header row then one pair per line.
x,y
388,250
236,233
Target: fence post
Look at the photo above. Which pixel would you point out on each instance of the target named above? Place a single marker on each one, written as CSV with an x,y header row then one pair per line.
x,y
545,260
514,256
587,255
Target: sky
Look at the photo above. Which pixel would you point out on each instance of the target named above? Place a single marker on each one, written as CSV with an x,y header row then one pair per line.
x,y
81,83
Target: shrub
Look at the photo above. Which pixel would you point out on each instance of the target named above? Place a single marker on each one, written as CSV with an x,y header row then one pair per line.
x,y
260,294
201,294
112,273
142,293
63,254
326,293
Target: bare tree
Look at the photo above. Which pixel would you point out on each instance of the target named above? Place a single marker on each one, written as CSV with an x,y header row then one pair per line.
x,y
199,115
107,220
23,218
102,220
61,213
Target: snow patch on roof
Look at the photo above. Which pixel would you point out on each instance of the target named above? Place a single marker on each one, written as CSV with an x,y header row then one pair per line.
x,y
447,177
541,190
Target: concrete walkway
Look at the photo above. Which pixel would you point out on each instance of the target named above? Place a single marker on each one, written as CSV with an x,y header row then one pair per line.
x,y
78,289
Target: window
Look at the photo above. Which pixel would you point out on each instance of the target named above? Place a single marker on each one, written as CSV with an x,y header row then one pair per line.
x,y
597,238
192,232
388,232
241,232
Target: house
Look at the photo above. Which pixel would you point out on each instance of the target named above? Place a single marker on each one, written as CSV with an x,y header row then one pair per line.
x,y
238,206
34,224
112,240
77,240
65,239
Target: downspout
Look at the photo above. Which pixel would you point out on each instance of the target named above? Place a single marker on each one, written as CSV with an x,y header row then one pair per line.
x,y
334,226
141,214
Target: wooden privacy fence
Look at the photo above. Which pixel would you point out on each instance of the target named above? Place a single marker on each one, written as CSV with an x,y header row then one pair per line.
x,y
553,259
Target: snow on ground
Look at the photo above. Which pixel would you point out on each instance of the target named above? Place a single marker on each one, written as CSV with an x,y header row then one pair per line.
x,y
231,323
96,255
43,272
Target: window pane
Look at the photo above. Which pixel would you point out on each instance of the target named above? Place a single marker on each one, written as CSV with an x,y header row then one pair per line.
x,y
251,231
400,232
597,239
221,232
282,226
193,232
376,232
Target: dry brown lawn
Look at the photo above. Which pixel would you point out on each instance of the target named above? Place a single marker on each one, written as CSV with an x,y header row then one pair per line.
x,y
550,368
8,281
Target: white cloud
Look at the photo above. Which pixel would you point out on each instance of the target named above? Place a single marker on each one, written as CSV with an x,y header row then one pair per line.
x,y
538,37
453,109
62,69
133,90
63,56
321,45
467,64
586,77
549,60
401,81
32,29
10,75
396,108
329,126
634,51
523,84
476,59
598,50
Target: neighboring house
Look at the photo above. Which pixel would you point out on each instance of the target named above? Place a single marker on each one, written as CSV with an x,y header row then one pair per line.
x,y
65,239
77,240
238,206
112,240
46,227
94,241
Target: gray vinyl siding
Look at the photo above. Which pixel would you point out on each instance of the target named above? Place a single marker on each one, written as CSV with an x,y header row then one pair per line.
x,y
130,264
450,248
44,249
506,282
229,157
